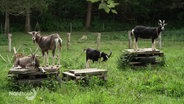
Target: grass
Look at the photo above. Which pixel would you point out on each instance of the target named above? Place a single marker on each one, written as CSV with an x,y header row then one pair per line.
x,y
148,85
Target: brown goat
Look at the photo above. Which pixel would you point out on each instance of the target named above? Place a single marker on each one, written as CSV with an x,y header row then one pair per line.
x,y
27,62
46,43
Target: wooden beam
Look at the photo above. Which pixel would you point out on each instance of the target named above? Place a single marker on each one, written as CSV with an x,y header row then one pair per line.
x,y
98,40
68,40
9,41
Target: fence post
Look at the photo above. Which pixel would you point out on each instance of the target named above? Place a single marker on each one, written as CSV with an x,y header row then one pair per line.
x,y
68,40
160,40
129,40
98,40
9,41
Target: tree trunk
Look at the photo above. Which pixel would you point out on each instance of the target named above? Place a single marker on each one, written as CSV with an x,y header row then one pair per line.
x,y
27,25
88,17
7,24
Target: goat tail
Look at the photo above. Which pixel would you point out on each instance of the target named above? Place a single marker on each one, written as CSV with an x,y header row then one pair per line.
x,y
131,33
60,42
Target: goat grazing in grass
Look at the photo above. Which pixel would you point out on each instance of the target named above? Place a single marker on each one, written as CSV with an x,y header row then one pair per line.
x,y
46,43
147,33
95,55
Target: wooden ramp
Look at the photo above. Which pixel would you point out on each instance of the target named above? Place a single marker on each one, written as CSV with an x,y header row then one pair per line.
x,y
81,74
33,75
143,57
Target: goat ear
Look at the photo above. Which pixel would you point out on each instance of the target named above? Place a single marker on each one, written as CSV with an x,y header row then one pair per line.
x,y
159,21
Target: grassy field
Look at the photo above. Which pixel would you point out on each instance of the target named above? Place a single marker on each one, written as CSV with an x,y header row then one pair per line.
x,y
148,85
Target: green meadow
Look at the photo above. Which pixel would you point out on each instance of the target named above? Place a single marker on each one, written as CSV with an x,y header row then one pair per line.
x,y
125,85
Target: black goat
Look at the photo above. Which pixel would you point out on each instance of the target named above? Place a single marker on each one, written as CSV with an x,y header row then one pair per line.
x,y
95,55
147,33
46,43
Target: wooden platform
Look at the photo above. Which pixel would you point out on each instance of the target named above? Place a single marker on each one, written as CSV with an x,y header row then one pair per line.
x,y
33,75
143,57
81,74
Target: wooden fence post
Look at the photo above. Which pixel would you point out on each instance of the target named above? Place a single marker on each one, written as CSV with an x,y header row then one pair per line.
x,y
129,40
98,40
9,41
68,40
160,40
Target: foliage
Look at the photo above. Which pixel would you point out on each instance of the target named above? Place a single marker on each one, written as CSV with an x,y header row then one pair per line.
x,y
107,5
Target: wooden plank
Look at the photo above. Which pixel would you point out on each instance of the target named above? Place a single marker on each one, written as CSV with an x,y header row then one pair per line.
x,y
88,71
143,51
135,63
48,69
38,80
69,74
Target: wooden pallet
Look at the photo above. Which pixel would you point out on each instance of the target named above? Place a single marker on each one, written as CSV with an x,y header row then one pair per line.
x,y
143,57
33,75
81,74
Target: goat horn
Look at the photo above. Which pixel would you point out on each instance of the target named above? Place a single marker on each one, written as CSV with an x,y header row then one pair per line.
x,y
110,53
163,21
30,33
31,50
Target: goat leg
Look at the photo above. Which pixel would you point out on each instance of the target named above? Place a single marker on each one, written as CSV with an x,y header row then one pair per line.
x,y
153,44
135,44
47,59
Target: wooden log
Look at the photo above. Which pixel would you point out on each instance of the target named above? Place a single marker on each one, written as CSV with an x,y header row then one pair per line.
x,y
143,51
9,41
98,40
68,40
48,70
88,72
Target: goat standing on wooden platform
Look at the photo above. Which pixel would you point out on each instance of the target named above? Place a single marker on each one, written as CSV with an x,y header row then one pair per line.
x,y
147,33
46,43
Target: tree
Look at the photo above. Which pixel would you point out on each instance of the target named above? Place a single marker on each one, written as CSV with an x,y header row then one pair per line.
x,y
9,7
107,5
38,5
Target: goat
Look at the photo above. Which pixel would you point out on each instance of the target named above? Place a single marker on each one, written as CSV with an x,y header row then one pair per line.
x,y
46,43
27,62
83,38
95,55
147,33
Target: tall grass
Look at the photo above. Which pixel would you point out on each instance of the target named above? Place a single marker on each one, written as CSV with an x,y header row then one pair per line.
x,y
148,85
